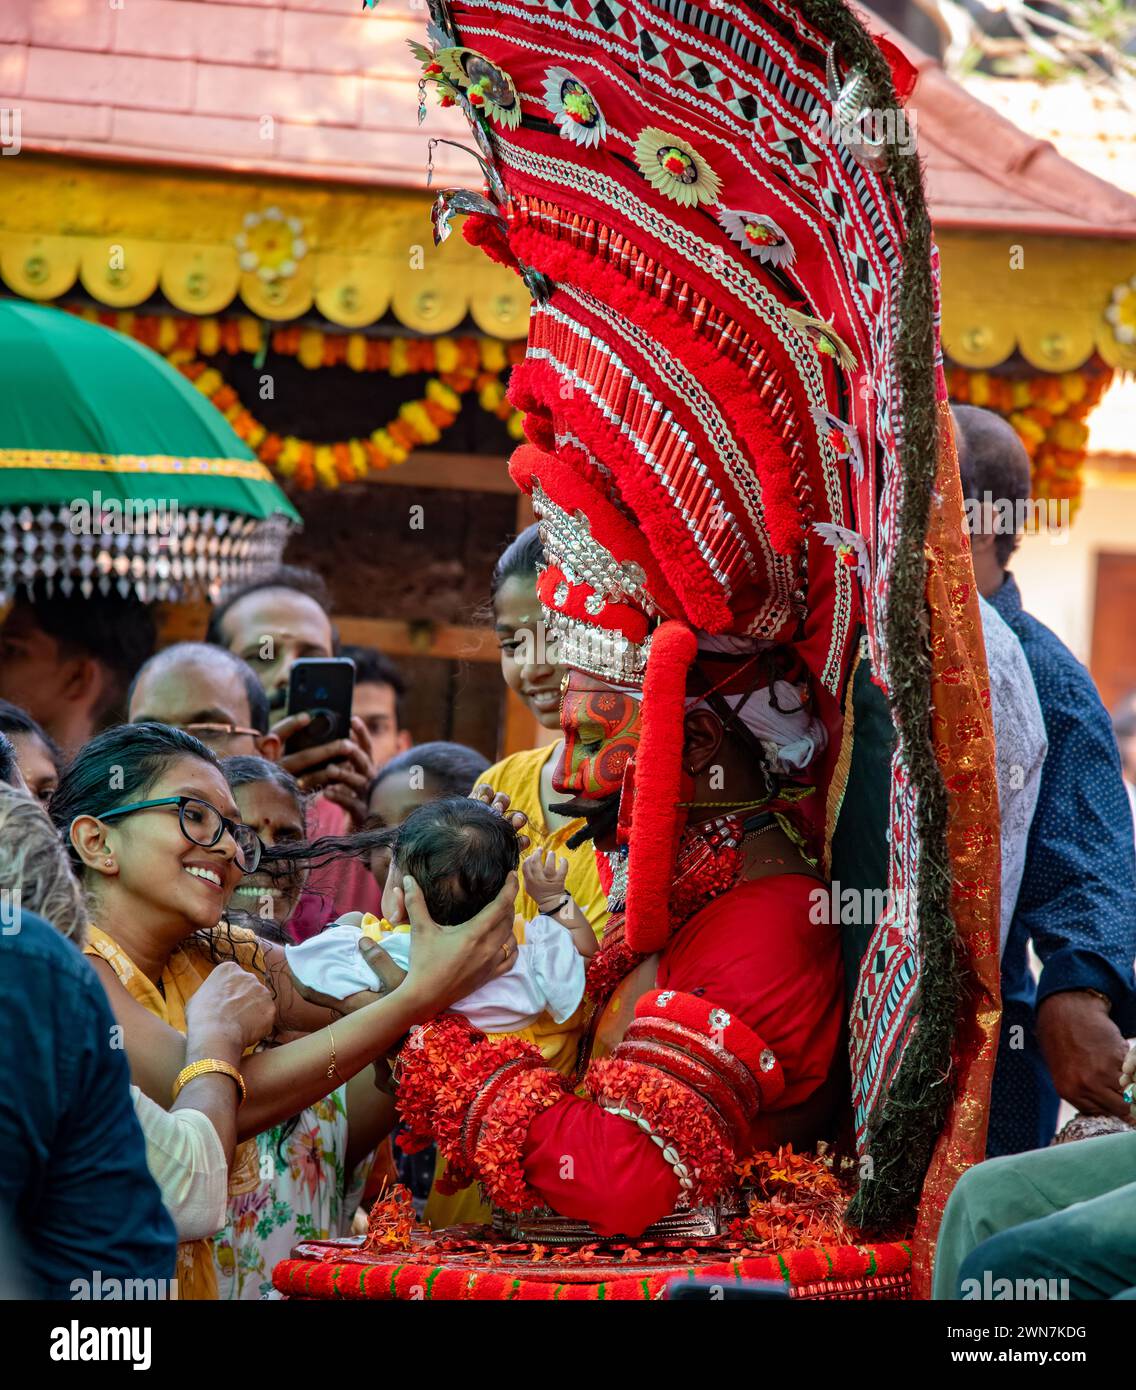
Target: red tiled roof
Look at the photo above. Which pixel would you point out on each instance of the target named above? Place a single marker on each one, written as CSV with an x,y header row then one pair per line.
x,y
985,173
320,89
300,88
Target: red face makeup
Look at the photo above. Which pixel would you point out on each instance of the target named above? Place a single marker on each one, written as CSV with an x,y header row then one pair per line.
x,y
601,732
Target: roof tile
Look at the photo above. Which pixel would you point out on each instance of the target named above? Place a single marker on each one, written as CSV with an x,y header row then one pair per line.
x,y
56,74
328,43
223,90
82,24
13,68
15,21
56,120
188,29
154,132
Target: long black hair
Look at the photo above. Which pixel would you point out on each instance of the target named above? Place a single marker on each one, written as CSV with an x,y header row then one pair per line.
x,y
522,557
458,849
116,767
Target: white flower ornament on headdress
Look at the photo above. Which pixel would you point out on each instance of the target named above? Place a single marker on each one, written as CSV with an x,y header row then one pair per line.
x,y
575,111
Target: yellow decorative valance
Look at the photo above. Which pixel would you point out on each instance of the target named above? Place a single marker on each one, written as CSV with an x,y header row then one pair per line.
x,y
284,248
1053,299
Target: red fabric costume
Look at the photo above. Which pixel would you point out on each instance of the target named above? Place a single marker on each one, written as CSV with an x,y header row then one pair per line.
x,y
737,456
754,953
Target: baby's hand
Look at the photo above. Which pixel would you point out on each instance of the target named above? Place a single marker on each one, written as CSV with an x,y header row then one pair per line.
x,y
1128,1081
545,875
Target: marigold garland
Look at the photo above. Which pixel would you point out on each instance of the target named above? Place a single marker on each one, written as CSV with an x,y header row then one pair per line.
x,y
1048,412
417,423
458,365
313,348
443,1071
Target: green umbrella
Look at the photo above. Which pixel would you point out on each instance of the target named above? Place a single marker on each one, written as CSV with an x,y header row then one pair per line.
x,y
116,472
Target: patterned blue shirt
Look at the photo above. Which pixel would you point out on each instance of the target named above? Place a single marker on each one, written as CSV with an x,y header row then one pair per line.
x,y
1078,897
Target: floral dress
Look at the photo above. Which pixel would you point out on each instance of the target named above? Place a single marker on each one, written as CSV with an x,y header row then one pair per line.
x,y
303,1194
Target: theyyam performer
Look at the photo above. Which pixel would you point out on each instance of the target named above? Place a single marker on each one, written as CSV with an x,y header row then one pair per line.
x,y
739,451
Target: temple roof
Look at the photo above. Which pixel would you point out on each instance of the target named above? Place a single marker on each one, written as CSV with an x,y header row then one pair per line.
x,y
984,173
311,89
171,131
322,89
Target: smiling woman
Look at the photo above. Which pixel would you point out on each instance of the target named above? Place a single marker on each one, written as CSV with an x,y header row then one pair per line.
x,y
158,842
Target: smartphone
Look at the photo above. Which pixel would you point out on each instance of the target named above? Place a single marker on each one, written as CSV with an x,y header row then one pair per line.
x,y
324,689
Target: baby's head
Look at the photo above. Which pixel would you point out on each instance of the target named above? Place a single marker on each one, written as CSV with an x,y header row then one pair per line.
x,y
460,853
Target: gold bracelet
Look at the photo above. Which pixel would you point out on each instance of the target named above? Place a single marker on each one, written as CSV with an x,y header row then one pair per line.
x,y
205,1067
332,1069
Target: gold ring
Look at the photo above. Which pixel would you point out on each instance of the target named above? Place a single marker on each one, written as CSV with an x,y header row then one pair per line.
x,y
505,949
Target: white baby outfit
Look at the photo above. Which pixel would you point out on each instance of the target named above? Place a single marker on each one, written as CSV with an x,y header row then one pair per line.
x,y
546,975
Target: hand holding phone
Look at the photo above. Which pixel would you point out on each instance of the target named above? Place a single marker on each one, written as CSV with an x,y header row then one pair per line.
x,y
322,688
325,748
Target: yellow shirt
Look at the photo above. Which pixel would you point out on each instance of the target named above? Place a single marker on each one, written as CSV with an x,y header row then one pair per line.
x,y
519,777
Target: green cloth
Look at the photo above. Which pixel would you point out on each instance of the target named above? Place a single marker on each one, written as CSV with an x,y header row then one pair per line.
x,y
1066,1212
70,386
859,842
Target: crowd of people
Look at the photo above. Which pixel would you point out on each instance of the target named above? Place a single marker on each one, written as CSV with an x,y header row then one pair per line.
x,y
213,942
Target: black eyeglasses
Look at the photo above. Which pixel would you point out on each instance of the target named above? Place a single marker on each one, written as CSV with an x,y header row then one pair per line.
x,y
203,825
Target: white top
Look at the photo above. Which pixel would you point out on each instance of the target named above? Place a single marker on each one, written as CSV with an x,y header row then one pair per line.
x,y
186,1160
546,976
1020,746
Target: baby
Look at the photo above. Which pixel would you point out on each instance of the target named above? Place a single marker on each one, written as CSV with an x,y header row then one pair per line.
x,y
461,852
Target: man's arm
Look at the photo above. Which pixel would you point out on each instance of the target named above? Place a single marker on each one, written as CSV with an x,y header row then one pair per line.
x,y
1078,895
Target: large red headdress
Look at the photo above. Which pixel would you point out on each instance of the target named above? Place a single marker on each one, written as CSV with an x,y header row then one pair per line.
x,y
731,392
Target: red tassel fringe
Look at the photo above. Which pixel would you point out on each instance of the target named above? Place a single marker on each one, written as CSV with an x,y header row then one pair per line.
x,y
658,776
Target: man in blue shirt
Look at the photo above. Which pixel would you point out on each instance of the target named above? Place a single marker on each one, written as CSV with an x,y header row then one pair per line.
x,y
76,1197
1077,903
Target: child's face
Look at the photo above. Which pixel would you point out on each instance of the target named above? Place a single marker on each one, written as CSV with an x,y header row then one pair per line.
x,y
393,902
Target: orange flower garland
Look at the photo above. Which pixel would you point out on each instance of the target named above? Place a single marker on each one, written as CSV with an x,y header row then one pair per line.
x,y
417,422
457,365
1048,412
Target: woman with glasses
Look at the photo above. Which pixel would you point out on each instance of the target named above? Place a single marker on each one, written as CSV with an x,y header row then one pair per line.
x,y
160,847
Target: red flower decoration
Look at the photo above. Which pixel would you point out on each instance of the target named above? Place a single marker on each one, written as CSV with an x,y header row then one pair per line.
x,y
481,230
450,1089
